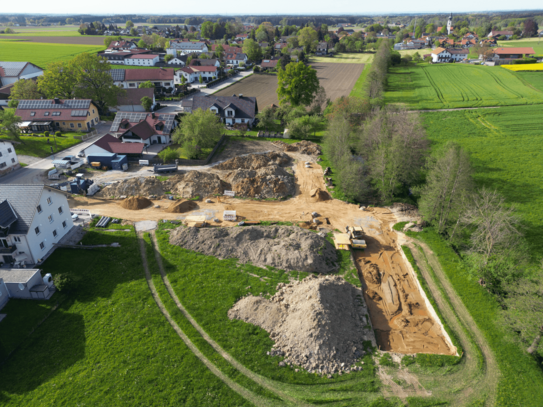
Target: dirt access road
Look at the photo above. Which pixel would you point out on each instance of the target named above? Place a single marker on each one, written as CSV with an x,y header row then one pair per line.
x,y
402,319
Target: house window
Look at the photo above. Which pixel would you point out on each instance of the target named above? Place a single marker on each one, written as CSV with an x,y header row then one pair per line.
x,y
72,125
2,165
60,210
46,114
42,245
9,150
64,224
79,125
32,113
92,111
17,239
0,154
49,201
64,123
50,218
55,233
37,230
13,160
39,208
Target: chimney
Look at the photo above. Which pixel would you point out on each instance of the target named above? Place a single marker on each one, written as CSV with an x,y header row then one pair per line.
x,y
241,95
56,101
153,115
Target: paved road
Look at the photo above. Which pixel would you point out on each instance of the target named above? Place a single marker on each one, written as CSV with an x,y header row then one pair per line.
x,y
32,173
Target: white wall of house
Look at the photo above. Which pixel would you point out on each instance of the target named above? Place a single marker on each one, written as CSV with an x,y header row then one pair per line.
x,y
155,139
61,223
141,61
135,84
176,61
8,158
195,76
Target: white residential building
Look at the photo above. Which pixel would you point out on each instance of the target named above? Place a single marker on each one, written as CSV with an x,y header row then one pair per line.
x,y
186,47
8,158
193,73
33,218
235,59
11,72
142,60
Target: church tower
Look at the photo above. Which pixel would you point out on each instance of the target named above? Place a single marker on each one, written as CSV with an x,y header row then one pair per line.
x,y
449,25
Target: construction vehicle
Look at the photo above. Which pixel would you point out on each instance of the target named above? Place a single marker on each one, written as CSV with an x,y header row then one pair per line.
x,y
356,234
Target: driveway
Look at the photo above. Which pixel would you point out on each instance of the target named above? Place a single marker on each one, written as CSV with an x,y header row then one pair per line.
x,y
32,174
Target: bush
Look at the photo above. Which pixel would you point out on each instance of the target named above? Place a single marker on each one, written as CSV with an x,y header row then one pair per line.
x,y
58,134
256,68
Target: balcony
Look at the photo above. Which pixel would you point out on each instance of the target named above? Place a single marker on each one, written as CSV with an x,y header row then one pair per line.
x,y
8,250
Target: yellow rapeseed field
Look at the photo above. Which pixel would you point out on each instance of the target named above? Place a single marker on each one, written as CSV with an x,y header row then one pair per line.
x,y
524,67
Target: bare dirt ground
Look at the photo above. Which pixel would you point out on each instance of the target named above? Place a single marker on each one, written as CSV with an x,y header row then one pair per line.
x,y
235,148
403,323
337,79
82,40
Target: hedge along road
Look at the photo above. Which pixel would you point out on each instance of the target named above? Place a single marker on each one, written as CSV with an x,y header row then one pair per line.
x,y
460,321
248,395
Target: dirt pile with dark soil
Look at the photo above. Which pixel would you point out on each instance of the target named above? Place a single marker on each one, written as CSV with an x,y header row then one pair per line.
x,y
135,203
317,323
283,247
145,186
182,207
197,183
254,161
406,213
302,147
267,182
318,195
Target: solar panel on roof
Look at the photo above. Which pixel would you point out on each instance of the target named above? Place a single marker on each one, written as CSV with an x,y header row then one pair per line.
x,y
49,103
79,113
137,117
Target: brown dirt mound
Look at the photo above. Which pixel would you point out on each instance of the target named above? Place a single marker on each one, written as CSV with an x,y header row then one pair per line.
x,y
319,195
197,183
133,186
268,182
307,147
135,203
317,323
182,207
254,161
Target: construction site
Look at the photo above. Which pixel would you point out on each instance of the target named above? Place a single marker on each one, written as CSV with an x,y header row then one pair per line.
x,y
274,209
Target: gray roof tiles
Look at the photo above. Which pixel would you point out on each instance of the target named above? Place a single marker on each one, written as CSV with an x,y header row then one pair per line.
x,y
117,74
188,45
12,68
23,199
245,107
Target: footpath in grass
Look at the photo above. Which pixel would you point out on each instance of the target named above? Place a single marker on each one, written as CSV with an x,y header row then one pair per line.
x,y
521,381
39,147
42,54
108,343
447,86
358,89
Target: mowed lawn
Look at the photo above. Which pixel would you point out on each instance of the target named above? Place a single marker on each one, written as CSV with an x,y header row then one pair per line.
x,y
42,54
442,86
337,79
107,344
39,147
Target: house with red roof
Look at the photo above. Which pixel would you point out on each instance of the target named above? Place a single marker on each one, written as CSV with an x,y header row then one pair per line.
x,y
193,74
495,34
132,78
236,59
110,144
511,53
145,128
269,63
121,46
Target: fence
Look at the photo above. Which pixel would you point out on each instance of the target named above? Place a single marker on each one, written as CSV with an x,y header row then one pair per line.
x,y
87,136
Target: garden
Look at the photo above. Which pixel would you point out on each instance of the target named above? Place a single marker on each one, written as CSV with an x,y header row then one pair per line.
x,y
43,145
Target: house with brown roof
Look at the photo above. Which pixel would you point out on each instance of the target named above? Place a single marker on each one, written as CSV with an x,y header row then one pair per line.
x,y
269,63
236,59
495,34
511,53
322,48
57,114
121,46
228,49
146,128
131,101
110,144
132,78
231,109
194,73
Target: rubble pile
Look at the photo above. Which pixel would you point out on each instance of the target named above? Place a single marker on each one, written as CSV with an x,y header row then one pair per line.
x,y
267,182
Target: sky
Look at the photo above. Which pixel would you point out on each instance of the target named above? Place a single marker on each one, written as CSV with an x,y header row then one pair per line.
x,y
255,7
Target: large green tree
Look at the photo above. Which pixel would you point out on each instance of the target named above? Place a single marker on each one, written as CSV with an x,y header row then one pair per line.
x,y
297,84
253,50
57,81
308,38
25,89
201,128
9,124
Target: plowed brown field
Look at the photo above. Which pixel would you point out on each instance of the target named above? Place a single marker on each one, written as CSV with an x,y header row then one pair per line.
x,y
337,79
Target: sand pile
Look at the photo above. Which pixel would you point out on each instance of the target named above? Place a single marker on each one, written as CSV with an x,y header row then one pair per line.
x,y
135,203
267,182
319,195
282,247
254,161
197,183
317,323
302,147
134,186
182,207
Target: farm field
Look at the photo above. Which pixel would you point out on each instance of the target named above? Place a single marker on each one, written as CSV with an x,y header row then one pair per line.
x,y
43,54
414,51
337,79
446,86
75,40
344,59
108,343
535,79
524,67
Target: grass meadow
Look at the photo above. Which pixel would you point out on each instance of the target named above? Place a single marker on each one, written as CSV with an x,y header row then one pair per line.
x,y
107,343
42,54
38,146
446,86
534,79
358,89
344,58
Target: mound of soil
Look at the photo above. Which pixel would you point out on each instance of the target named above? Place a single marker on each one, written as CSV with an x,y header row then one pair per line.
x,y
182,207
307,147
268,182
319,195
133,186
283,247
317,323
254,161
196,183
135,203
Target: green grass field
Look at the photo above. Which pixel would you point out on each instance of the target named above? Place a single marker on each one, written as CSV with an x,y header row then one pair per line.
x,y
38,146
358,89
535,43
43,54
107,343
444,86
414,51
534,79
345,58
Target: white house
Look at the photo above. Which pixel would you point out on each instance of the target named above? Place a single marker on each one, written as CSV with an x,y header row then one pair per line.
x,y
8,158
506,34
32,219
235,59
186,47
11,72
146,128
142,60
176,61
132,78
449,55
193,73
231,109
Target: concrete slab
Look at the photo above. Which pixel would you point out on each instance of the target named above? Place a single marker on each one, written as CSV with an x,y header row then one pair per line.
x,y
145,225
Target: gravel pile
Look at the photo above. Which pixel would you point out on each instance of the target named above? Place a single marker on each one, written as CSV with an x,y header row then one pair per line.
x,y
283,247
254,161
267,182
318,323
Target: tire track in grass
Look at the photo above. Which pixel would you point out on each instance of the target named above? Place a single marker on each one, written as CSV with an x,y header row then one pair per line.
x,y
248,395
266,383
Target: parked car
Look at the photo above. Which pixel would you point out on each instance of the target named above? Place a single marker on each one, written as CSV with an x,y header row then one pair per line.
x,y
81,153
75,216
